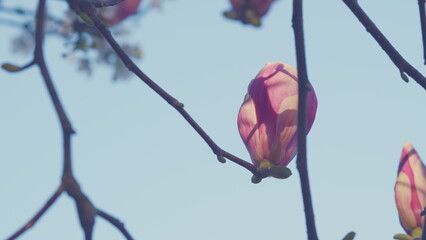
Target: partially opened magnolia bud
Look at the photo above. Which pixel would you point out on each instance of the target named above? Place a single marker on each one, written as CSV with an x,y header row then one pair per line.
x,y
115,14
267,120
410,190
249,11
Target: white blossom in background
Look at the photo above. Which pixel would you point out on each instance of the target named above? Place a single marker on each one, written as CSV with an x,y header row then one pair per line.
x,y
23,43
83,44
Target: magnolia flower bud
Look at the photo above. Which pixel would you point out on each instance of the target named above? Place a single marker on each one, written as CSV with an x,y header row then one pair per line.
x,y
410,189
267,120
115,14
249,11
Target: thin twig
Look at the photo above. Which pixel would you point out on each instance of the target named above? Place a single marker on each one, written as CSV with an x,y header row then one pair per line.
x,y
384,43
423,26
90,11
67,129
12,23
302,166
85,208
117,223
17,10
39,60
40,213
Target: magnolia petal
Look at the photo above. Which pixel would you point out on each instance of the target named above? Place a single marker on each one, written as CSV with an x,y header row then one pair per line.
x,y
261,7
287,131
115,14
410,189
249,130
249,11
403,200
267,119
312,103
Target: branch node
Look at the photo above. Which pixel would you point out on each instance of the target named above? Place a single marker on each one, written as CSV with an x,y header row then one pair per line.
x,y
115,222
221,159
384,43
177,104
404,76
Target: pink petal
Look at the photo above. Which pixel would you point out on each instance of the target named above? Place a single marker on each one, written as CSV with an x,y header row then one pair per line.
x,y
115,14
267,119
260,7
410,188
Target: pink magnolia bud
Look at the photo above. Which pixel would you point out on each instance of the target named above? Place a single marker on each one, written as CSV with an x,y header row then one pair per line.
x,y
260,7
267,120
410,189
249,11
115,14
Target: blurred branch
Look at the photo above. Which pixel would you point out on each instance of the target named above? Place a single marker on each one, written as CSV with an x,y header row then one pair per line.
x,y
17,10
105,3
85,208
114,221
302,165
85,7
397,59
12,23
40,213
423,26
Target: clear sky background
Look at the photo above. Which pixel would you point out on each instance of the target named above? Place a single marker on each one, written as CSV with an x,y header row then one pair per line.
x,y
138,159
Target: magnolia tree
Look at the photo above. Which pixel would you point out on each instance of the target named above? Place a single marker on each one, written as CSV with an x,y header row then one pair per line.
x,y
273,121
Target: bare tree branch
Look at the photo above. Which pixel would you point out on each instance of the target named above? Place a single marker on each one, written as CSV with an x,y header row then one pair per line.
x,y
423,26
84,6
40,213
397,59
302,165
117,223
85,208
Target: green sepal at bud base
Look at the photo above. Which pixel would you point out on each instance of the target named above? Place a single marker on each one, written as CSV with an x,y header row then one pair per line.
x,y
349,236
417,233
281,172
10,67
401,236
269,169
86,19
230,15
255,179
252,18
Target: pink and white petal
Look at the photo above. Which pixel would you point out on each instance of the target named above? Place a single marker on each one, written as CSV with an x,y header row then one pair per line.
x,y
280,81
419,180
311,108
287,131
403,199
249,130
261,7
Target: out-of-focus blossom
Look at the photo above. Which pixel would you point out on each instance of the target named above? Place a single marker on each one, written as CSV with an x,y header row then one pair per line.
x,y
249,11
65,28
115,14
267,120
23,43
410,191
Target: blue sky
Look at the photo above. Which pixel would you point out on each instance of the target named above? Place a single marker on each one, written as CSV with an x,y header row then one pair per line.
x,y
137,159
